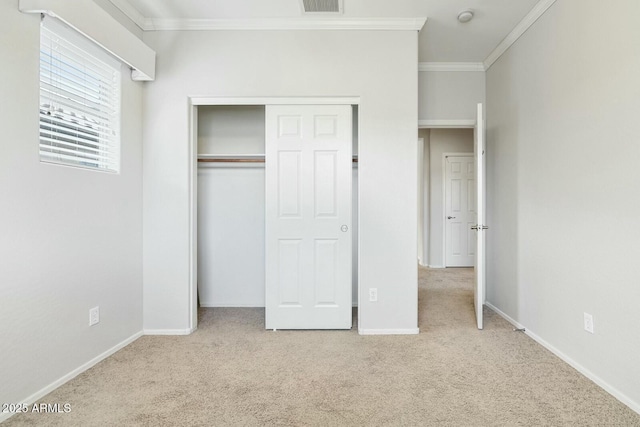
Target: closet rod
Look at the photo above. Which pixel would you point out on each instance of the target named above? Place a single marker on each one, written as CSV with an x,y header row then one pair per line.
x,y
355,160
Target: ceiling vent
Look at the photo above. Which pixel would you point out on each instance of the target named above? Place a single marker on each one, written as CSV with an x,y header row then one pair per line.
x,y
322,6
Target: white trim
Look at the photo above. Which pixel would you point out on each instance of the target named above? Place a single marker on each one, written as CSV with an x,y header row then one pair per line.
x,y
130,11
71,375
538,10
633,405
436,266
193,216
421,210
187,331
93,22
446,124
451,66
266,100
376,24
193,213
504,315
410,331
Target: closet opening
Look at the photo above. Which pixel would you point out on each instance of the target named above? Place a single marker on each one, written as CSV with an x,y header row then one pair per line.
x,y
231,205
228,206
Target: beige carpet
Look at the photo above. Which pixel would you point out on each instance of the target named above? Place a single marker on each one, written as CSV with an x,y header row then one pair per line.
x,y
233,372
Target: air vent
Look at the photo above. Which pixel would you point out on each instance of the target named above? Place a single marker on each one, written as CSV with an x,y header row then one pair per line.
x,y
322,6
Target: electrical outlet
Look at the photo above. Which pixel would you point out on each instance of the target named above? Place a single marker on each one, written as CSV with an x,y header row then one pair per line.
x,y
373,294
588,322
94,316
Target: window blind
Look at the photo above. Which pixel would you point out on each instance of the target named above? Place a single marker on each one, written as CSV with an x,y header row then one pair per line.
x,y
79,101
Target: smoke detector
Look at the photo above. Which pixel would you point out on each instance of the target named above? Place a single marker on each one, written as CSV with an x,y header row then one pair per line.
x,y
465,16
321,6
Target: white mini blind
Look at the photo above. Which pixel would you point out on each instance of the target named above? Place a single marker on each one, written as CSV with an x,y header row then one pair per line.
x,y
79,101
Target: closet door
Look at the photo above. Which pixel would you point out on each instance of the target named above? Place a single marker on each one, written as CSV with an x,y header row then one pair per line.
x,y
308,217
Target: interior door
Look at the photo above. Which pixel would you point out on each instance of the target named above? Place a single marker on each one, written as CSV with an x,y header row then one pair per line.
x,y
479,227
460,215
308,217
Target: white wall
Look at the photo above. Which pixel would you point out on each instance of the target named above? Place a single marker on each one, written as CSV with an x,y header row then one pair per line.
x,y
442,141
231,129
71,238
231,212
380,67
563,107
450,95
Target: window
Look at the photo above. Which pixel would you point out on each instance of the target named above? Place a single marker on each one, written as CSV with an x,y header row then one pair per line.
x,y
79,101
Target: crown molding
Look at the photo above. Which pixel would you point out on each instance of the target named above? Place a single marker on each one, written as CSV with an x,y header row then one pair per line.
x,y
131,12
386,24
303,23
538,10
451,66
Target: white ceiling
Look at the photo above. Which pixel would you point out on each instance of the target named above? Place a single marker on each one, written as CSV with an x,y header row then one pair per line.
x,y
443,39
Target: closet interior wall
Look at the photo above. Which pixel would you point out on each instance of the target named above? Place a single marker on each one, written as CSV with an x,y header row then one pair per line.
x,y
231,206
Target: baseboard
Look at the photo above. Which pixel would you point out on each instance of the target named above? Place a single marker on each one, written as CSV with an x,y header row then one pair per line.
x,y
436,266
504,315
633,405
411,331
187,331
71,375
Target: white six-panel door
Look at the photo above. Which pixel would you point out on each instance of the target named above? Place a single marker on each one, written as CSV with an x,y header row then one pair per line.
x,y
460,215
308,217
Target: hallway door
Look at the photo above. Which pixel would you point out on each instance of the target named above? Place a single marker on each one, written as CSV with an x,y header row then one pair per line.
x,y
460,215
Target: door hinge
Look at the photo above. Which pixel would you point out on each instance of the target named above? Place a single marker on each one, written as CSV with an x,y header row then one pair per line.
x,y
479,227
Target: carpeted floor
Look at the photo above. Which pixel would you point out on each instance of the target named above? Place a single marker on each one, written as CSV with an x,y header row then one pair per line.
x,y
234,372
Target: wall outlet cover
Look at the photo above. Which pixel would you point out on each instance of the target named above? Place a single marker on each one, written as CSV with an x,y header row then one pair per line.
x,y
94,316
588,323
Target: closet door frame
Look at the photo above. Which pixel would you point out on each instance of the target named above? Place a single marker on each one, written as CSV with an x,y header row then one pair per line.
x,y
193,103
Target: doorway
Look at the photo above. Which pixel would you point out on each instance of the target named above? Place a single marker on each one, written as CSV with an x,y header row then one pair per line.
x,y
462,189
439,143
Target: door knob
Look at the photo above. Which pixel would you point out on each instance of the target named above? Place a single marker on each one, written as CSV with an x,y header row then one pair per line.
x,y
451,217
344,228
